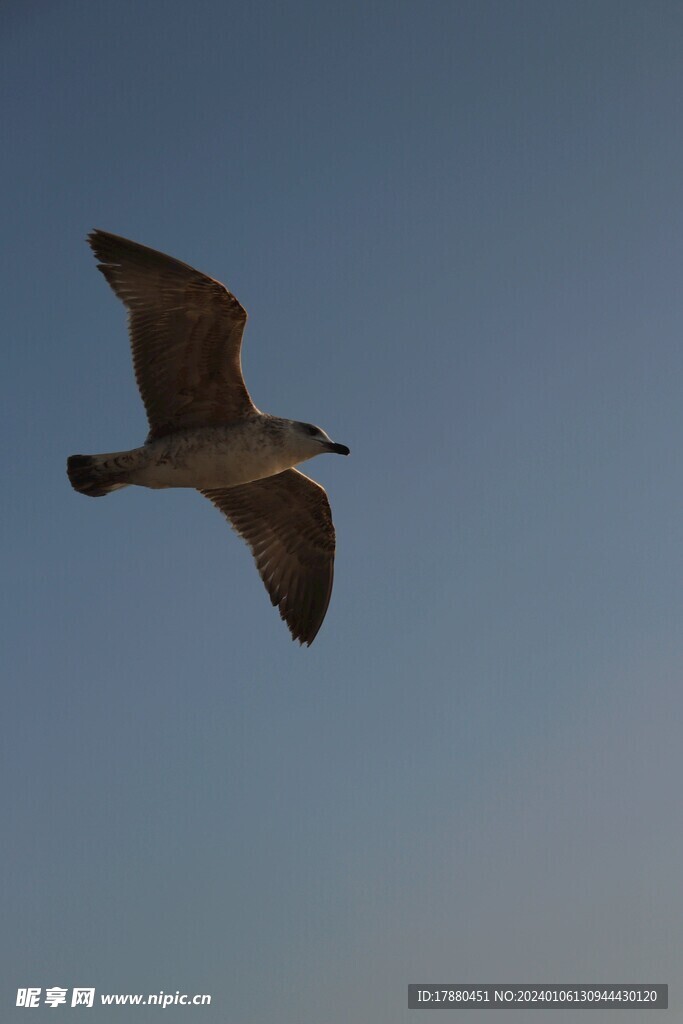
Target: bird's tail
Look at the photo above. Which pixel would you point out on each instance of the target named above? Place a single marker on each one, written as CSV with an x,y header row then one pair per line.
x,y
96,475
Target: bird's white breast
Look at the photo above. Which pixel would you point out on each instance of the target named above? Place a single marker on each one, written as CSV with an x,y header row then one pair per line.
x,y
211,457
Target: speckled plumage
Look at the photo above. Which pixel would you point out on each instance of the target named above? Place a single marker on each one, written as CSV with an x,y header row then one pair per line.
x,y
206,433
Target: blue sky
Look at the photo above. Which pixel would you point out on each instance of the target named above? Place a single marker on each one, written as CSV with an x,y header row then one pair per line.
x,y
457,228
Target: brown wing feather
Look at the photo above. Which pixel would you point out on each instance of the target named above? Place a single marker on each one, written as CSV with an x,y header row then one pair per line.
x,y
186,336
287,523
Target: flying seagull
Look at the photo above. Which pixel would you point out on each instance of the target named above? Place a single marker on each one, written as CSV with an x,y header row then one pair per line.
x,y
205,431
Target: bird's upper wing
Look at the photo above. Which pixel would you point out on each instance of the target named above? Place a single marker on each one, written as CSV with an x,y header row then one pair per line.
x,y
287,523
186,335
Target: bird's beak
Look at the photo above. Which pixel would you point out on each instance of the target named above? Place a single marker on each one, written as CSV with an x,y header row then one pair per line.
x,y
339,449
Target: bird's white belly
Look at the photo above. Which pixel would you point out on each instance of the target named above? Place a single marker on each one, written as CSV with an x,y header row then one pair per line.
x,y
210,458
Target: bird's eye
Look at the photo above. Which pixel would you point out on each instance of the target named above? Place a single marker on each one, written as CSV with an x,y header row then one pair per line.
x,y
311,430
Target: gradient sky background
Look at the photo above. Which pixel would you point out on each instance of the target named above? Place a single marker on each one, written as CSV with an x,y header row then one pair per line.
x,y
458,230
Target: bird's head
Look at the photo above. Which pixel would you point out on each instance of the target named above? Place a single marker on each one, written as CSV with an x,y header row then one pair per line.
x,y
309,440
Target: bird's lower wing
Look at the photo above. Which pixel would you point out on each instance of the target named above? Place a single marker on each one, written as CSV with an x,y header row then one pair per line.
x,y
287,523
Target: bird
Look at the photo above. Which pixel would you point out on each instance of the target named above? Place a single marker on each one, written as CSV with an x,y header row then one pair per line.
x,y
205,432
